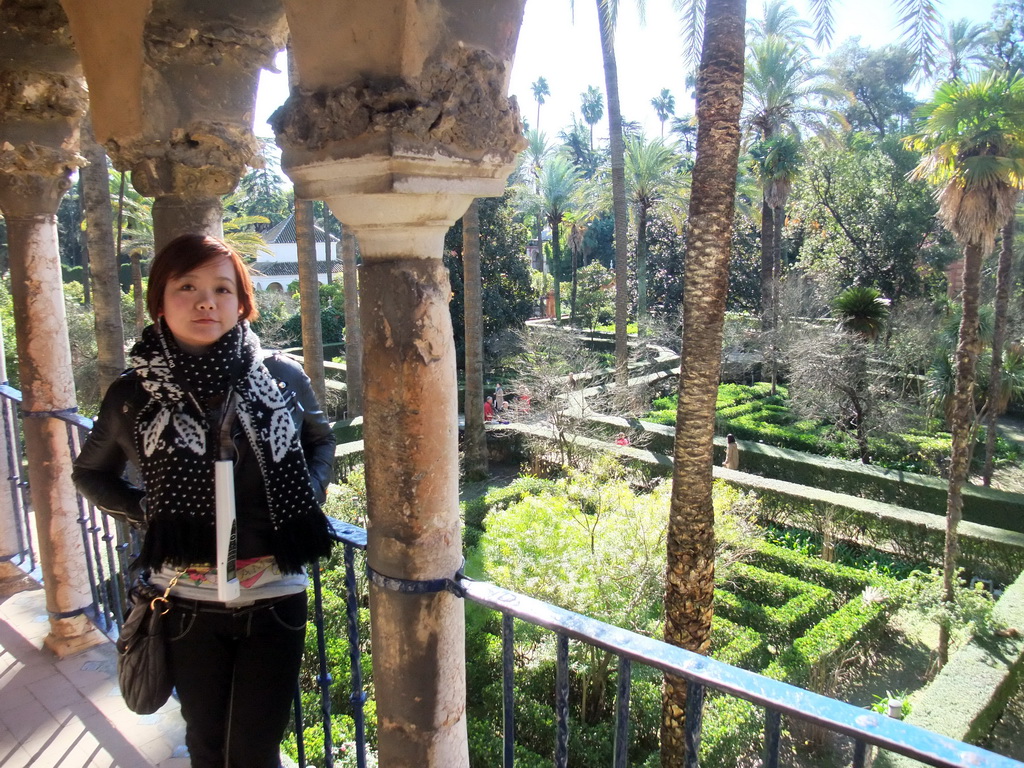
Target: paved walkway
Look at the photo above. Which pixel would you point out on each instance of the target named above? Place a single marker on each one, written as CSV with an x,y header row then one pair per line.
x,y
69,713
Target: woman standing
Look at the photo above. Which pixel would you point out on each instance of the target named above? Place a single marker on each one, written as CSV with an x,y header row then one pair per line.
x,y
201,389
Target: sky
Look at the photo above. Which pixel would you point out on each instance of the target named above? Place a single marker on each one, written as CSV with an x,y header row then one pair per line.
x,y
564,47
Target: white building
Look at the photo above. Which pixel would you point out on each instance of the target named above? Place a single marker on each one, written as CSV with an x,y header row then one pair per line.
x,y
276,271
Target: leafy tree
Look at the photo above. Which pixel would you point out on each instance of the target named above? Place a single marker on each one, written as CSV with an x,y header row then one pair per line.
x,y
263,191
1007,40
577,145
592,109
596,301
862,221
874,83
972,135
665,106
508,298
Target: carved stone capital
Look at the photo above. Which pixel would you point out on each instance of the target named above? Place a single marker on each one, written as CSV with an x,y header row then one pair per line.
x,y
169,41
200,159
33,178
41,95
456,107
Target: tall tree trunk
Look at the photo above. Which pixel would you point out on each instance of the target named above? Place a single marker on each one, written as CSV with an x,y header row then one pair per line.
x,y
309,299
103,263
572,299
967,352
767,263
83,241
475,437
138,291
641,270
556,270
779,216
353,326
620,213
690,573
327,244
995,376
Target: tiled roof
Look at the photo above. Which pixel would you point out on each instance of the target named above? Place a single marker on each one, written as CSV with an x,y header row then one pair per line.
x,y
274,268
284,232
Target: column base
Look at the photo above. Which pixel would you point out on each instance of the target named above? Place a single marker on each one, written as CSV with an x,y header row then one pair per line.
x,y
70,636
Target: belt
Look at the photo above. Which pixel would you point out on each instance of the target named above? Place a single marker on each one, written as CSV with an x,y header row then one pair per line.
x,y
205,606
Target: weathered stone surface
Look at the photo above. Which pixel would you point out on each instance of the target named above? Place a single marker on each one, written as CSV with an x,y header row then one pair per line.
x,y
457,105
41,95
168,40
202,158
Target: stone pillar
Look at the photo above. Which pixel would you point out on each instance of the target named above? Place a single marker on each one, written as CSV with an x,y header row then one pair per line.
x,y
41,103
398,129
175,106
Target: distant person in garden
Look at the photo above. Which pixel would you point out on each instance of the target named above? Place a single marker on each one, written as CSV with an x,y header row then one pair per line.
x,y
489,409
499,399
621,439
201,391
732,453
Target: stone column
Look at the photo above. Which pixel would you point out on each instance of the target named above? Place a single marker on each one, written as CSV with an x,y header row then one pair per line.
x,y
175,106
398,130
41,103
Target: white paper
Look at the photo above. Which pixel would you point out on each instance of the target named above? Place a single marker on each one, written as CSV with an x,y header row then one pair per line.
x,y
228,587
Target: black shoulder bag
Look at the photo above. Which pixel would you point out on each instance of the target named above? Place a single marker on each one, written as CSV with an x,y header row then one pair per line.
x,y
143,672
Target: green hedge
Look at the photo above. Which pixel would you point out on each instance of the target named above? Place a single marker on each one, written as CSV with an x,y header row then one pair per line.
x,y
734,644
733,727
985,506
802,606
833,576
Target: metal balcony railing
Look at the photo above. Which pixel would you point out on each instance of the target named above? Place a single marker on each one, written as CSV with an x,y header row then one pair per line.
x,y
109,547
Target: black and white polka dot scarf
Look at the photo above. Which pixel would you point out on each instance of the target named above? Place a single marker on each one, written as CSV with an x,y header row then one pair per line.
x,y
178,445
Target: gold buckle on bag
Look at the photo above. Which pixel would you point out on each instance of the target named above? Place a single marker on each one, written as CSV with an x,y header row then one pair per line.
x,y
164,597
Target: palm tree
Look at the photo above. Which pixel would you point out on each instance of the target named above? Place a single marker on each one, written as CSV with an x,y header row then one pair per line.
x,y
781,89
558,186
690,535
861,310
690,573
962,45
540,90
780,20
973,139
592,108
649,177
665,106
685,129
607,13
475,437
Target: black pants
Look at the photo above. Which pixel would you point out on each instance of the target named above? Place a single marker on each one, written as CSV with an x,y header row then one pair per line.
x,y
235,671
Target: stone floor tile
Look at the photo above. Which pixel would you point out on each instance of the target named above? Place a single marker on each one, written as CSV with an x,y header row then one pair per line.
x,y
28,719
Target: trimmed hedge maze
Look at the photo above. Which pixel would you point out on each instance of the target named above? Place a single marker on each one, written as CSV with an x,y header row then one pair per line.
x,y
790,617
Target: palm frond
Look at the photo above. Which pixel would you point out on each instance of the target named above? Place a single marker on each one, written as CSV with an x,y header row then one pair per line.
x,y
824,21
921,28
691,14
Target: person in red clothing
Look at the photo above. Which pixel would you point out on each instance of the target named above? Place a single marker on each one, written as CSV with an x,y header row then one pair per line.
x,y
489,409
621,439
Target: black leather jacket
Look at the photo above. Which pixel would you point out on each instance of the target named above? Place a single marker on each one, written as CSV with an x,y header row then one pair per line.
x,y
99,468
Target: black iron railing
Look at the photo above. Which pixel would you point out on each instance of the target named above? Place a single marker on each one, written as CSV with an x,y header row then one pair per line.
x,y
108,547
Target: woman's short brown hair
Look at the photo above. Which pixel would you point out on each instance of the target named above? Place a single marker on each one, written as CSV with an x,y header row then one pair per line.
x,y
187,252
